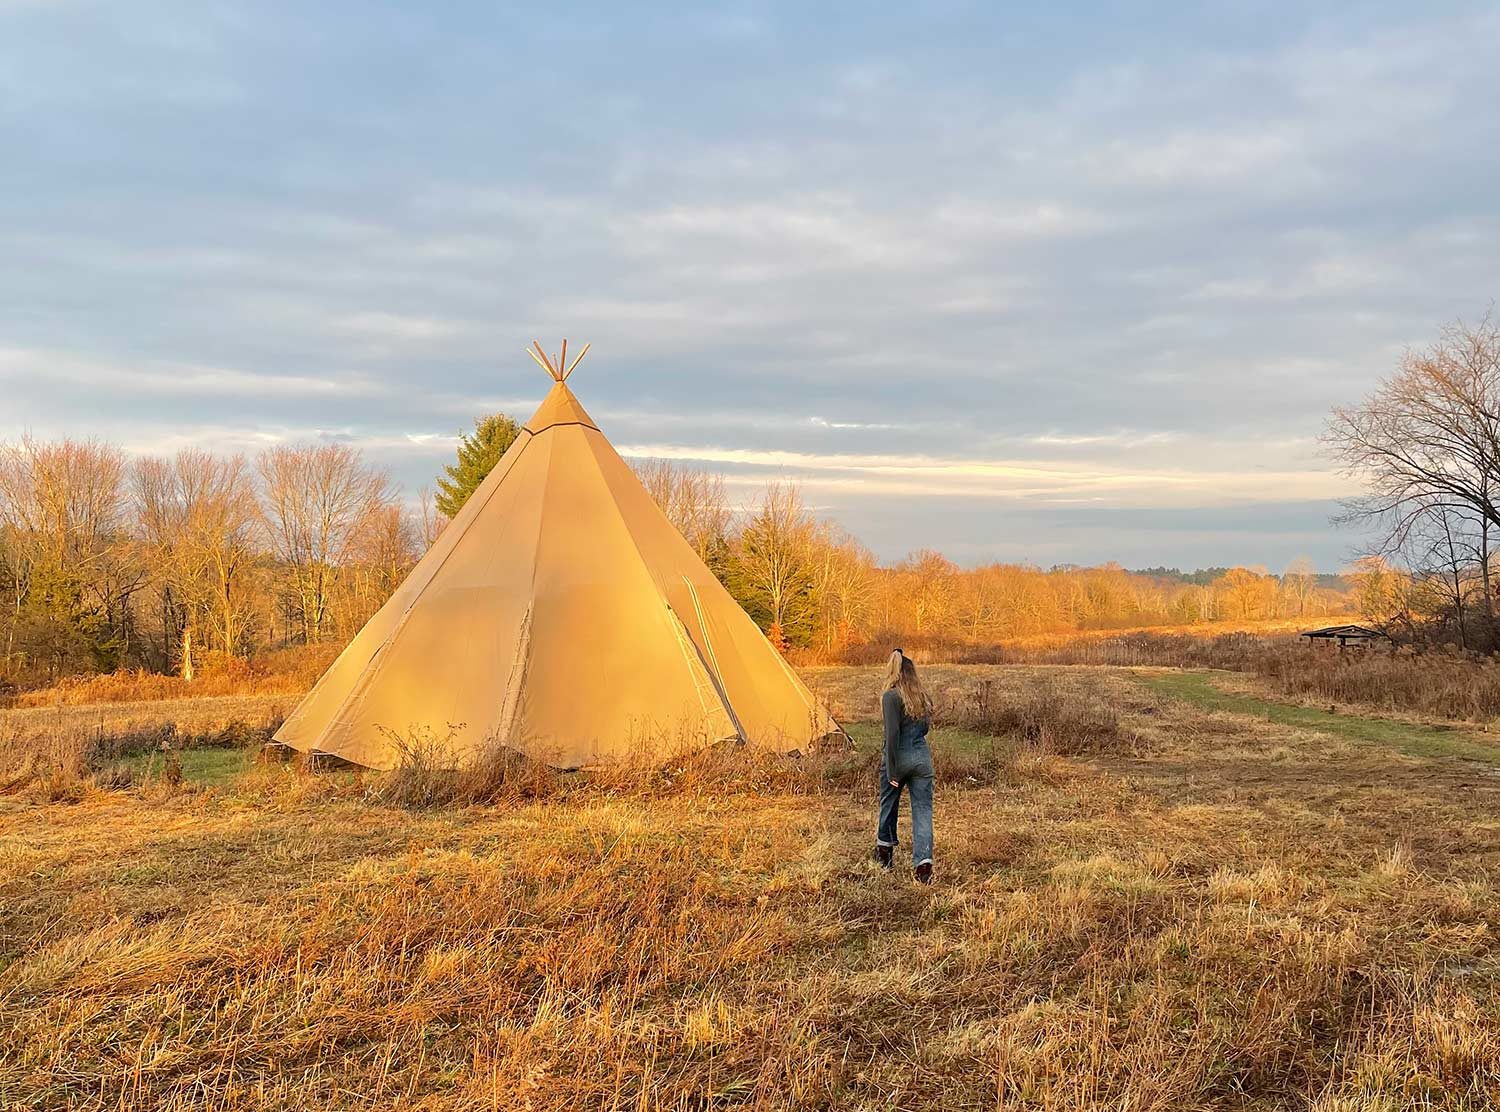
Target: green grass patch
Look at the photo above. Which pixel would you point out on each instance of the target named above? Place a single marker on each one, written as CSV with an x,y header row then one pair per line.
x,y
199,766
1199,689
869,735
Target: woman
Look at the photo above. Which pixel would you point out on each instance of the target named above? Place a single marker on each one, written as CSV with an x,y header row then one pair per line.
x,y
905,763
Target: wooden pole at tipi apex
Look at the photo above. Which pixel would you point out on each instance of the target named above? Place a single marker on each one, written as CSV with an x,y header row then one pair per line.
x,y
538,362
542,361
576,361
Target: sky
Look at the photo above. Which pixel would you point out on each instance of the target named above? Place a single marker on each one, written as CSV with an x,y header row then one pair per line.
x,y
1060,286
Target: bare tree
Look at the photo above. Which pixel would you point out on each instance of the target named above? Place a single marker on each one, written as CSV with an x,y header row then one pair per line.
x,y
432,519
13,582
842,584
1428,438
694,501
196,513
1383,595
930,579
73,571
388,546
1426,444
316,501
1298,582
1026,602
1443,567
1247,593
384,551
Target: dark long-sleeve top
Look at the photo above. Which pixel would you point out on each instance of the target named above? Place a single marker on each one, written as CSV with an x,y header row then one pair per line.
x,y
900,730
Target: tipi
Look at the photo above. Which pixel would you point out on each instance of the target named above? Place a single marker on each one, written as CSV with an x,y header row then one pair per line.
x,y
561,612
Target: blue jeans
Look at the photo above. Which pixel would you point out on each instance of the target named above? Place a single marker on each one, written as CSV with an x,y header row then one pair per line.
x,y
914,773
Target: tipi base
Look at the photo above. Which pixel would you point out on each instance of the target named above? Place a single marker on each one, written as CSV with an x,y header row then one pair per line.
x,y
834,742
315,760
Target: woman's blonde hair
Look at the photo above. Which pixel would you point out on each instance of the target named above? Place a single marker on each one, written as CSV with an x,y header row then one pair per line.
x,y
901,677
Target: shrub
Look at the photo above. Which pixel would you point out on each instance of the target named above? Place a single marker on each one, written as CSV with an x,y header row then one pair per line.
x,y
1048,717
428,773
1442,683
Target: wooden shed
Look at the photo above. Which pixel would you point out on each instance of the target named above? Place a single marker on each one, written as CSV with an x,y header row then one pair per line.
x,y
1345,635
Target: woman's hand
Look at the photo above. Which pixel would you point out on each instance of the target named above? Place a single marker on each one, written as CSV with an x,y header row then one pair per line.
x,y
895,783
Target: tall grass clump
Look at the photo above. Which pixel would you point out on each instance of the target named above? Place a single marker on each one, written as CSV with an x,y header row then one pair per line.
x,y
1436,682
430,772
54,767
1048,717
1439,683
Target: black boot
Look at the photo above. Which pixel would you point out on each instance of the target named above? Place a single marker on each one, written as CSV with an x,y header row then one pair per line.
x,y
924,873
886,855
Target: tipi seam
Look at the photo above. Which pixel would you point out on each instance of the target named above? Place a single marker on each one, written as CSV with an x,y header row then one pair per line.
x,y
661,594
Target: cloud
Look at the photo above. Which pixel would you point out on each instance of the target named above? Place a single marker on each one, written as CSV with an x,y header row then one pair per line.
x,y
395,326
1045,219
177,380
1203,158
823,423
1113,439
807,234
1041,481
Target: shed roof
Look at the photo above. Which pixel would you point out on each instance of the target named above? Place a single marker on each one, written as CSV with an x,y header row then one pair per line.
x,y
1344,631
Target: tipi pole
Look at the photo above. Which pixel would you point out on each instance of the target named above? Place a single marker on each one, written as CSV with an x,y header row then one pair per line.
x,y
554,366
577,361
535,358
545,360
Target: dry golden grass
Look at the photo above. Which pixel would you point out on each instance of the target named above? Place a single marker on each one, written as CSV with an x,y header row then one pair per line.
x,y
1128,646
59,750
853,694
285,673
1435,685
198,715
1231,914
1133,646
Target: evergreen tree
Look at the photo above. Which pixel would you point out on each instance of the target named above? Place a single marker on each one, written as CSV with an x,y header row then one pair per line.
x,y
478,452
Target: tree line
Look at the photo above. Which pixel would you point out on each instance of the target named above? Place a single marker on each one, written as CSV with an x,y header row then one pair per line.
x,y
173,563
110,562
811,586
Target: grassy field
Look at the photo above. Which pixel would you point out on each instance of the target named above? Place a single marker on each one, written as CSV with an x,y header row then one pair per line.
x,y
1154,891
1230,692
28,727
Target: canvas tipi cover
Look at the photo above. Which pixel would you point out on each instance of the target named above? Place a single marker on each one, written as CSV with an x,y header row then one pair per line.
x,y
559,612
